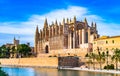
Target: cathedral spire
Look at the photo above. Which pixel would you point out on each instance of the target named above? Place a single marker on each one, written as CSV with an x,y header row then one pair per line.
x,y
92,24
67,20
36,38
74,19
37,29
85,20
45,23
36,34
95,25
56,22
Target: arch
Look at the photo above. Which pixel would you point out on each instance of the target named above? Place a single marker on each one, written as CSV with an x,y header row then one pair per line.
x,y
46,49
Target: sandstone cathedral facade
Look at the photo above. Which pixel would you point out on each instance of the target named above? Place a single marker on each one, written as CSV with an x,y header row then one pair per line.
x,y
65,37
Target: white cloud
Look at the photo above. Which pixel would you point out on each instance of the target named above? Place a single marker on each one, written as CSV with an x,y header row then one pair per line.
x,y
109,29
28,28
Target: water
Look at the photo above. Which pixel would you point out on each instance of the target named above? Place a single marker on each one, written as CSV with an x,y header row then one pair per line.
x,y
50,72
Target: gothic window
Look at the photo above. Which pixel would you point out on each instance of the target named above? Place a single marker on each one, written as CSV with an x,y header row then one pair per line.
x,y
86,37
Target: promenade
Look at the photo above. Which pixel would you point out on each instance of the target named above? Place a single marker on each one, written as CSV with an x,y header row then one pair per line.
x,y
92,70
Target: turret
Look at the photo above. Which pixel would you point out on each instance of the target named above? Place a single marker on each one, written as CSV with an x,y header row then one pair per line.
x,y
36,35
56,22
85,20
86,24
45,23
36,38
74,19
95,25
92,24
56,26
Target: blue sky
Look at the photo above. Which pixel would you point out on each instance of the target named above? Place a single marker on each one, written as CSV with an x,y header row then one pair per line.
x,y
19,17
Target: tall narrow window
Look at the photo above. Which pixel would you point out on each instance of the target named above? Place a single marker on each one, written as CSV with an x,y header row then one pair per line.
x,y
113,41
106,42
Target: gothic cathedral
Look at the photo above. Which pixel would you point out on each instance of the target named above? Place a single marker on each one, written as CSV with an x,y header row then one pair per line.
x,y
68,35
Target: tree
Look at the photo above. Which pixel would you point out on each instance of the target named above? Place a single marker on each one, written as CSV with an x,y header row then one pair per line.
x,y
23,50
4,52
93,57
14,51
107,55
8,52
116,57
100,58
88,60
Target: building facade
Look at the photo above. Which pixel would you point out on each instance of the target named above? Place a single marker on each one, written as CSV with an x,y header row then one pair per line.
x,y
15,43
106,43
68,35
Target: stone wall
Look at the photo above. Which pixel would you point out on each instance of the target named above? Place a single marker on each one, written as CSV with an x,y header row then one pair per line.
x,y
41,62
68,61
56,42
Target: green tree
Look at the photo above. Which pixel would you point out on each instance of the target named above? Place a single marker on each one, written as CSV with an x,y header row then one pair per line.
x,y
116,57
92,57
100,58
14,51
107,55
4,52
24,50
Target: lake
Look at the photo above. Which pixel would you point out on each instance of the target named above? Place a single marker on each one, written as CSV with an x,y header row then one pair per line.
x,y
50,72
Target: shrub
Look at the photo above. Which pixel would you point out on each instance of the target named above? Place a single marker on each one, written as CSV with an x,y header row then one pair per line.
x,y
109,67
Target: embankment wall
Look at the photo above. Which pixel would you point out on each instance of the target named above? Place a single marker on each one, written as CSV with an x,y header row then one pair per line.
x,y
35,62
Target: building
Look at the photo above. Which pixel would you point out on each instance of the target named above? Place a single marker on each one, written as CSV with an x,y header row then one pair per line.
x,y
106,43
70,36
15,43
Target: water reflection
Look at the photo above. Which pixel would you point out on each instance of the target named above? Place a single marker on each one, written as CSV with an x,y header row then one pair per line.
x,y
50,72
19,71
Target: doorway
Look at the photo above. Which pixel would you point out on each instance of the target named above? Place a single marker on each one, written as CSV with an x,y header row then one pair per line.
x,y
46,49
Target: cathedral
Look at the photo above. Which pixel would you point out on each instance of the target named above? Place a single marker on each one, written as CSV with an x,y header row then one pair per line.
x,y
65,37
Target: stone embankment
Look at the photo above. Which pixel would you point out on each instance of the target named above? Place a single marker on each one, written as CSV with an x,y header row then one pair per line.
x,y
50,62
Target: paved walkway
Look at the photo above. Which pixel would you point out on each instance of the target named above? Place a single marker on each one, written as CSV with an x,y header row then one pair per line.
x,y
92,70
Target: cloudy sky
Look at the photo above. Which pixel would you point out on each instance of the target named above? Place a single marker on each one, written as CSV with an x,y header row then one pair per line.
x,y
19,18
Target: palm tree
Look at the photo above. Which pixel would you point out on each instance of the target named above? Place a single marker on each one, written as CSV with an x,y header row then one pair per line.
x,y
116,57
107,55
100,58
93,56
89,61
